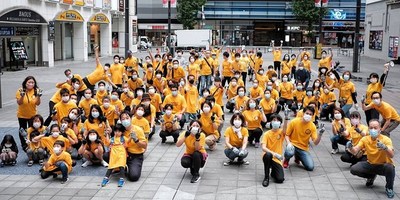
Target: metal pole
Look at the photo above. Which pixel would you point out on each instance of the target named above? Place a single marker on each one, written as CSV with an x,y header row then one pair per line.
x,y
126,27
321,35
356,51
169,26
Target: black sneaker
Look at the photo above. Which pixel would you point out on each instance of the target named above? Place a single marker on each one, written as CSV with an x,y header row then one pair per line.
x,y
163,140
55,175
64,180
175,140
265,182
195,179
370,181
389,193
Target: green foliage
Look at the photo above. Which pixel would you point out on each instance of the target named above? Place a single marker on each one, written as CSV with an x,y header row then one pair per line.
x,y
306,12
187,12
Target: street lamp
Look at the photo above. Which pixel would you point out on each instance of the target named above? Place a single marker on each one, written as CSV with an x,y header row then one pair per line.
x,y
169,26
356,51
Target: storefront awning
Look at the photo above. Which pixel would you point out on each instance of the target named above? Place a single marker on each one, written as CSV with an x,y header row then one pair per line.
x,y
69,16
22,16
99,18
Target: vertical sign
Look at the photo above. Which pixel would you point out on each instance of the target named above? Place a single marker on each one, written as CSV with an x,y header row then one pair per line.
x,y
165,3
52,31
121,5
393,47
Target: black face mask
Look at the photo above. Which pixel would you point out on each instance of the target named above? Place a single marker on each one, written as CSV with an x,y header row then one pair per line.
x,y
191,81
170,59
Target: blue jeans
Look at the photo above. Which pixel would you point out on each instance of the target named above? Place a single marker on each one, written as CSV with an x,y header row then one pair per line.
x,y
337,139
303,156
205,82
61,166
346,109
232,155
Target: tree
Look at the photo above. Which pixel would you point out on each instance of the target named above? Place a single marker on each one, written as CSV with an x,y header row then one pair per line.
x,y
187,12
306,12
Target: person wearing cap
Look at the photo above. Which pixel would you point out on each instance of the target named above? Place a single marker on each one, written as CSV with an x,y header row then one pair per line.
x,y
99,74
376,85
298,135
131,61
380,154
390,117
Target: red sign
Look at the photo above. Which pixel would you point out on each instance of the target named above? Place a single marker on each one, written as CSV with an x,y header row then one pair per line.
x,y
158,27
165,3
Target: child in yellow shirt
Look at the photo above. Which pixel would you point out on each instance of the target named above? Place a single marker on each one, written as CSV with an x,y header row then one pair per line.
x,y
60,161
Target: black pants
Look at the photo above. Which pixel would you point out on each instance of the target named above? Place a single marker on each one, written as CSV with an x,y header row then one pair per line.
x,y
182,122
226,79
336,140
80,94
293,72
327,112
350,158
288,102
134,162
371,114
165,134
255,135
277,68
194,162
88,85
121,171
49,118
367,170
276,168
244,75
23,123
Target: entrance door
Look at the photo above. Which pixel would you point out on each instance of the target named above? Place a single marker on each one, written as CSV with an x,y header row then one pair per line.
x,y
68,41
30,49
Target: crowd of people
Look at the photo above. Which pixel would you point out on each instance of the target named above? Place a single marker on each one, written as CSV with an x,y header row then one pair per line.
x,y
109,116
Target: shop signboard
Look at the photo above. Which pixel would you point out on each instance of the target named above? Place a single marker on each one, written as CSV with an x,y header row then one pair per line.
x,y
375,40
6,31
79,2
24,16
68,2
393,47
121,5
99,18
70,16
27,31
115,41
165,3
89,3
52,31
18,50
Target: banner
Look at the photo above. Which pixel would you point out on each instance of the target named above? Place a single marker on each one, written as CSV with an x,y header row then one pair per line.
x,y
121,5
115,41
375,40
393,47
69,16
99,18
165,3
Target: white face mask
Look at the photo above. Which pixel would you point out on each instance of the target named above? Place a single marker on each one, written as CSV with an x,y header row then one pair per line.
x,y
338,116
55,134
182,83
255,85
72,116
106,68
373,80
102,88
234,84
158,76
301,68
125,90
176,66
273,78
88,96
346,77
8,145
206,109
64,126
174,93
205,94
36,125
114,97
139,93
179,54
332,77
152,91
267,96
194,130
168,112
139,113
76,86
309,93
95,114
307,117
275,124
57,150
65,98
377,101
316,84
237,123
241,94
92,138
106,105
355,121
191,60
300,87
285,79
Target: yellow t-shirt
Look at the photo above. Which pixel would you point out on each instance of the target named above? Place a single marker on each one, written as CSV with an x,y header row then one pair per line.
x,y
218,93
207,127
387,111
256,92
190,143
300,133
205,68
135,84
238,66
374,155
178,103
347,123
57,96
234,140
372,87
143,123
97,75
132,62
117,71
307,65
345,91
64,156
98,127
241,102
191,96
232,91
175,74
253,119
48,143
327,98
156,101
268,105
28,108
63,109
100,95
286,69
274,141
277,55
262,81
126,99
110,114
356,137
286,90
159,84
258,63
132,147
227,68
118,105
299,94
326,62
193,69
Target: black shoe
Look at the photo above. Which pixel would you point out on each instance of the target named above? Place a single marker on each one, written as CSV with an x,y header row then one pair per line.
x,y
219,140
370,181
389,193
150,135
192,171
73,163
265,182
195,178
163,140
55,175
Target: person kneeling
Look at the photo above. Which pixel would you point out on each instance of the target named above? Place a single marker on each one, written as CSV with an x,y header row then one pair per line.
x,y
236,138
272,144
170,125
195,155
59,161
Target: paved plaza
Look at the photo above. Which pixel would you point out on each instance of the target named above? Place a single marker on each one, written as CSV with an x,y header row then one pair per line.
x,y
162,175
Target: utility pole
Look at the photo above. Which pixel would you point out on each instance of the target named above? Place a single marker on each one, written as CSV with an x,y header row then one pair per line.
x,y
356,51
126,27
321,35
169,26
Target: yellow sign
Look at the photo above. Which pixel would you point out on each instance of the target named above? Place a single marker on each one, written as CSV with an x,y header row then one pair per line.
x,y
69,16
79,2
100,18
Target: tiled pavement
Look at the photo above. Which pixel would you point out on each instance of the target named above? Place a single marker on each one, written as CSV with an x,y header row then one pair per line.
x,y
164,178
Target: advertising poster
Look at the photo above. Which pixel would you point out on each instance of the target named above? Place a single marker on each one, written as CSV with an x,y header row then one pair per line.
x,y
18,50
115,42
393,47
375,40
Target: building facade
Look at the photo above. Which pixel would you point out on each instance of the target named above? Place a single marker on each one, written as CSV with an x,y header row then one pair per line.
x,y
257,22
382,29
52,30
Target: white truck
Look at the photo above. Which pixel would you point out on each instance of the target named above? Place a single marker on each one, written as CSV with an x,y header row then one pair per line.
x,y
197,39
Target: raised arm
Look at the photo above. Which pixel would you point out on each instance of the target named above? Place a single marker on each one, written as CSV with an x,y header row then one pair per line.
x,y
96,53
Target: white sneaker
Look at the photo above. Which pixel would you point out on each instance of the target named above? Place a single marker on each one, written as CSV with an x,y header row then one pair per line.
x,y
334,151
104,163
87,163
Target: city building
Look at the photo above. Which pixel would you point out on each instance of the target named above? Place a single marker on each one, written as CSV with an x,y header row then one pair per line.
x,y
382,30
40,32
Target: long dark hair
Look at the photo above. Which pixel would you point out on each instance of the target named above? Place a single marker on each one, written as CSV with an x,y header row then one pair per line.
x,y
33,118
87,137
101,117
35,87
9,138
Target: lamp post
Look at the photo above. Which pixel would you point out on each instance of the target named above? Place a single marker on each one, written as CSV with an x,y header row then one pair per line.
x,y
321,35
169,26
126,27
356,50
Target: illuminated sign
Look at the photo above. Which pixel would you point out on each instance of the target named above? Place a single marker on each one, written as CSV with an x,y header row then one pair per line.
x,y
337,14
